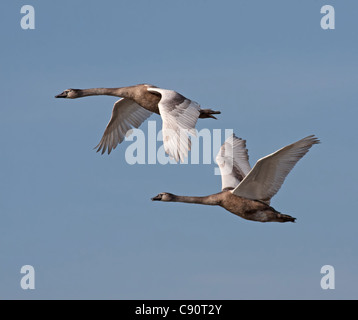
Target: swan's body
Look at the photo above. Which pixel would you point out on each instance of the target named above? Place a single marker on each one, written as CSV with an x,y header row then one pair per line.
x,y
178,113
247,192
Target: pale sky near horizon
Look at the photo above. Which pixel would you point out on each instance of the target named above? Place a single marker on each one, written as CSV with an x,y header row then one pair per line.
x,y
86,223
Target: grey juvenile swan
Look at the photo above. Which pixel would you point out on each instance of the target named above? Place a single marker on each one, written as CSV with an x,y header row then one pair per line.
x,y
179,115
247,192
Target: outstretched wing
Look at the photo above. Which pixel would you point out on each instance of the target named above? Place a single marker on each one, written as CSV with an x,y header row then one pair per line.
x,y
269,173
233,161
179,116
125,114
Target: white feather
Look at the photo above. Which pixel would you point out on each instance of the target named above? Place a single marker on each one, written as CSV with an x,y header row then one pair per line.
x,y
125,114
269,173
233,161
179,116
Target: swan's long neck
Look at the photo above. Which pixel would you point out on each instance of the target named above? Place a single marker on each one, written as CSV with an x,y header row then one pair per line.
x,y
117,92
208,200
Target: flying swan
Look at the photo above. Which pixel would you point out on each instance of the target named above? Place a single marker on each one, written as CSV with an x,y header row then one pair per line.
x,y
247,192
137,103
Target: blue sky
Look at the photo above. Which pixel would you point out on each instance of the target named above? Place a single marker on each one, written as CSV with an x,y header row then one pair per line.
x,y
85,222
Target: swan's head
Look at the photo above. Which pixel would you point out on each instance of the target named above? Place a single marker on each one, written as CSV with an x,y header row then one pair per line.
x,y
164,196
70,94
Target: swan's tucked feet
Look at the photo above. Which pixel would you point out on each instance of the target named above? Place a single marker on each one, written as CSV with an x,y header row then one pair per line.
x,y
285,218
208,113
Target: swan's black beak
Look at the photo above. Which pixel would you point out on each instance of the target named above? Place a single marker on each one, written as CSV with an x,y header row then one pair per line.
x,y
62,95
157,198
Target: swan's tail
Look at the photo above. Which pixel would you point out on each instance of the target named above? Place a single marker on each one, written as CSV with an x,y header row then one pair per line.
x,y
208,113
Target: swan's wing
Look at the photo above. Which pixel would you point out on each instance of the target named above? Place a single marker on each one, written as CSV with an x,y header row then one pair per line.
x,y
269,173
125,115
179,116
233,161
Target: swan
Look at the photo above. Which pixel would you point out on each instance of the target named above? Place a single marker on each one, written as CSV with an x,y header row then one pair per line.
x,y
137,103
247,191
